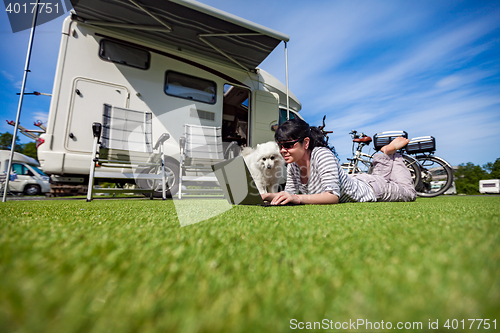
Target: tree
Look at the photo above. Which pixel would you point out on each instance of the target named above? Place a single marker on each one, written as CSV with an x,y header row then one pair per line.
x,y
29,149
6,142
493,169
467,178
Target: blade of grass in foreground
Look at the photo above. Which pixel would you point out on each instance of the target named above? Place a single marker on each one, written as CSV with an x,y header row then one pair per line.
x,y
126,265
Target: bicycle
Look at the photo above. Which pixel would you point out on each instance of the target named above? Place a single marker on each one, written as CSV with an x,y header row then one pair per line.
x,y
362,162
353,166
436,173
322,129
431,174
362,140
381,139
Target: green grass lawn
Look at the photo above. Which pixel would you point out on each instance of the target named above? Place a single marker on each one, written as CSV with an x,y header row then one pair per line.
x,y
127,265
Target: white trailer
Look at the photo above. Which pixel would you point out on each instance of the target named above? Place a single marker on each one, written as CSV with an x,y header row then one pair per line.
x,y
489,186
181,60
438,184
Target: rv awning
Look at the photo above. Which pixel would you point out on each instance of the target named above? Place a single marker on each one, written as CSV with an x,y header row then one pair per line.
x,y
185,24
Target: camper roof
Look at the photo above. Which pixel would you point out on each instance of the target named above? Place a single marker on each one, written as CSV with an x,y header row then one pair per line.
x,y
18,157
188,25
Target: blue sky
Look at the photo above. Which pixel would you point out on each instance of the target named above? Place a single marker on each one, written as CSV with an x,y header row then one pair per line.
x,y
427,67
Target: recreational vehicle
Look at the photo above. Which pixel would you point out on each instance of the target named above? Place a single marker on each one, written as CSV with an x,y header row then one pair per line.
x,y
26,177
180,61
489,186
438,184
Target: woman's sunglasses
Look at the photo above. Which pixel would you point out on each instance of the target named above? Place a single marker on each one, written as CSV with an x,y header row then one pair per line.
x,y
288,144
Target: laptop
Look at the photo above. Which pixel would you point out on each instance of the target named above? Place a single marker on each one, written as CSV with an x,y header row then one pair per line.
x,y
238,185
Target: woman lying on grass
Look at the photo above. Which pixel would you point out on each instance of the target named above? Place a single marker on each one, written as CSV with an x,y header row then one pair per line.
x,y
315,172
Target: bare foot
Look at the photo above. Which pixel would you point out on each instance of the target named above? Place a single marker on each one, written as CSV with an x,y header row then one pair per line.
x,y
394,146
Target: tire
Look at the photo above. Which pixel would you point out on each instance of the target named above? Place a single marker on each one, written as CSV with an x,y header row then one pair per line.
x,y
172,174
365,167
350,169
362,167
32,190
436,174
413,165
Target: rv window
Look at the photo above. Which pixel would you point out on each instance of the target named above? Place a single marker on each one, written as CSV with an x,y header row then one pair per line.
x,y
190,87
124,54
283,116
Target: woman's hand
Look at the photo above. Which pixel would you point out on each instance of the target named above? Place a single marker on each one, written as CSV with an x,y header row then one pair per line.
x,y
282,198
268,196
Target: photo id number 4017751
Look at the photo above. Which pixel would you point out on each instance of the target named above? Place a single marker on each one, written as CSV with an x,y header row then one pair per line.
x,y
17,8
474,324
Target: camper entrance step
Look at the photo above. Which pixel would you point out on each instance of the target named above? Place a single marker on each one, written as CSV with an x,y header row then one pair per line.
x,y
126,175
199,178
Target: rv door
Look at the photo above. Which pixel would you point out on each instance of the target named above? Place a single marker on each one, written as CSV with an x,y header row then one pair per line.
x,y
264,114
87,102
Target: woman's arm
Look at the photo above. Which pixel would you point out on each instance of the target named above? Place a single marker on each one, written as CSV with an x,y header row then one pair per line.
x,y
282,198
324,198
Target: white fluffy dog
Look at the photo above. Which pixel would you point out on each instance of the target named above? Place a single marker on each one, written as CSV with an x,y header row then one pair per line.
x,y
266,165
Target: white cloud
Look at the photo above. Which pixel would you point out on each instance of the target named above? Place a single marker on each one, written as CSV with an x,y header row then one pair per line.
x,y
8,76
463,78
414,67
41,116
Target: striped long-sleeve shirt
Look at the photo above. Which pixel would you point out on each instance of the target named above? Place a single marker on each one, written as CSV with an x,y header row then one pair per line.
x,y
326,175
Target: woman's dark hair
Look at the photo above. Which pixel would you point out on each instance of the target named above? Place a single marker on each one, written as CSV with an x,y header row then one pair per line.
x,y
298,129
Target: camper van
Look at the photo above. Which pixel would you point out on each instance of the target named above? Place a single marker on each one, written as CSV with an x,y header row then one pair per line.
x,y
182,61
26,177
438,184
489,186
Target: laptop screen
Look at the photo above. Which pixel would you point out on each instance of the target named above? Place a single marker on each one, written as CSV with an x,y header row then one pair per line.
x,y
236,182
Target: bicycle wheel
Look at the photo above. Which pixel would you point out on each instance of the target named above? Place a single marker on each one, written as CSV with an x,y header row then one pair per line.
x,y
365,166
362,167
413,165
350,169
436,174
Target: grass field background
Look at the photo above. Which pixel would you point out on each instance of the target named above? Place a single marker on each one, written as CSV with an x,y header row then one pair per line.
x,y
127,265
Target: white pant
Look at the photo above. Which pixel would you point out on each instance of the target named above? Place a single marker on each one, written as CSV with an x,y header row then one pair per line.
x,y
390,179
